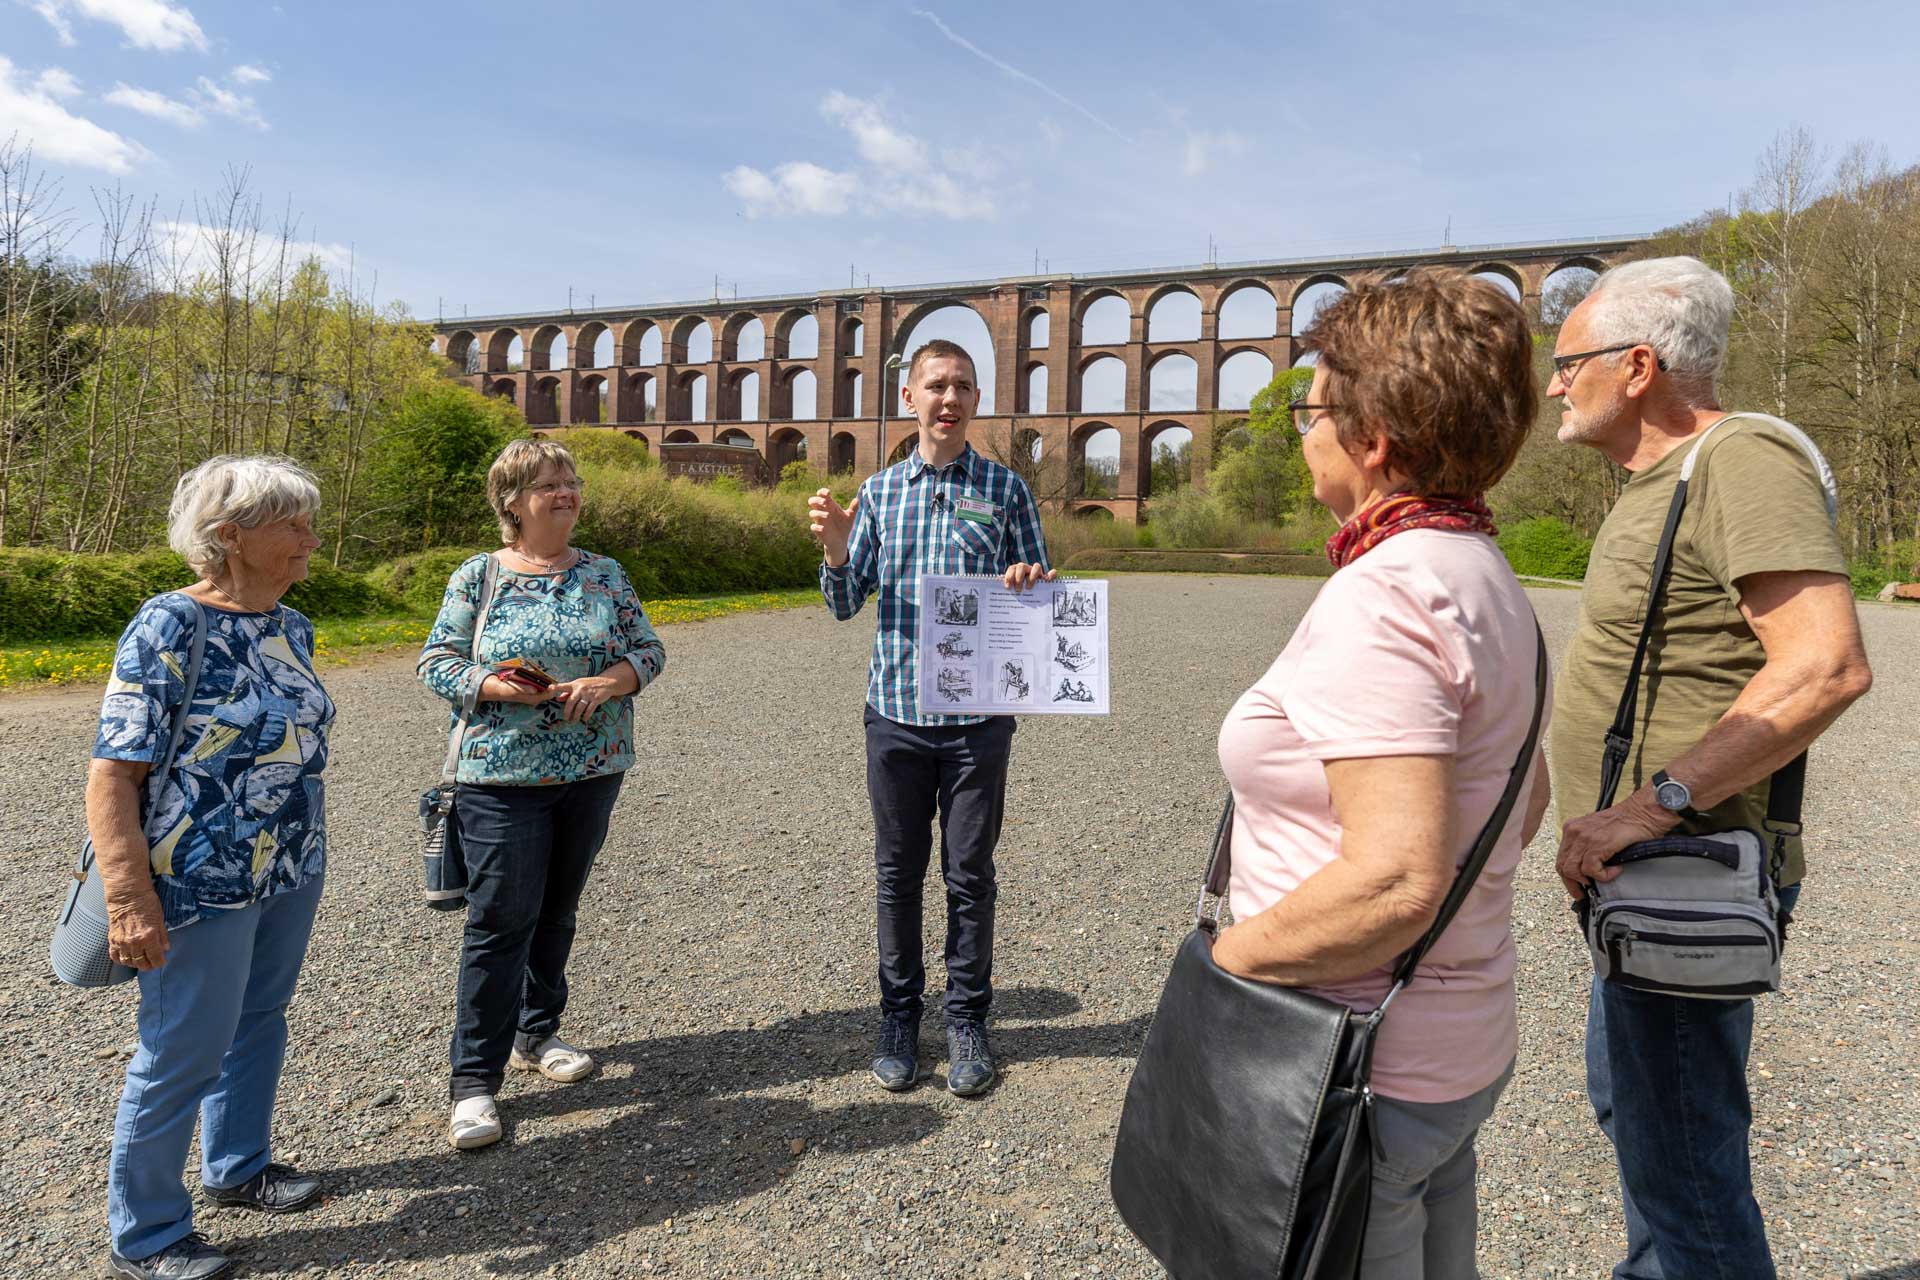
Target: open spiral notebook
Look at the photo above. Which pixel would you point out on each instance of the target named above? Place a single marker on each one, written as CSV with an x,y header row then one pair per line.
x,y
986,650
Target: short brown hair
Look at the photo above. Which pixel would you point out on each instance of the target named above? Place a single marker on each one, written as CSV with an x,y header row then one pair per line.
x,y
935,348
1441,363
513,473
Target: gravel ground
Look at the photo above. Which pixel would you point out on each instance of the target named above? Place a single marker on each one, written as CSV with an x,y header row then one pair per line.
x,y
724,977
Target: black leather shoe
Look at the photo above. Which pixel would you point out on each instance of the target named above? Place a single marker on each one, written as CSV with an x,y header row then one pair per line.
x,y
188,1258
969,1059
896,1064
278,1188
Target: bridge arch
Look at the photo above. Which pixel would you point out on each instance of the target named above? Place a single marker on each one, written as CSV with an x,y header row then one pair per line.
x,y
507,389
803,395
1093,460
1033,387
785,445
634,337
1036,328
853,336
463,352
1172,384
1244,370
639,398
957,321
1163,436
1101,382
504,350
1103,318
543,401
1173,314
590,406
743,395
548,340
1247,309
743,337
846,400
592,346
842,452
692,341
682,436
1503,273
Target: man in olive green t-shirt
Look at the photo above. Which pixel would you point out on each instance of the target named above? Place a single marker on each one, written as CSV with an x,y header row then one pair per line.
x,y
1757,650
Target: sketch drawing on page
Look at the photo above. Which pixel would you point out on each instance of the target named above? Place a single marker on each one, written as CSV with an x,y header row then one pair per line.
x,y
1071,654
1075,608
955,684
1072,690
1015,683
955,645
956,607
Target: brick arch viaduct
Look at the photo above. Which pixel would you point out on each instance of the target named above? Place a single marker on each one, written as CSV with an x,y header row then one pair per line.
x,y
649,388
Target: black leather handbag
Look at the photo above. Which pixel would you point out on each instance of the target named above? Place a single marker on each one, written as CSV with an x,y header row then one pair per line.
x,y
1245,1146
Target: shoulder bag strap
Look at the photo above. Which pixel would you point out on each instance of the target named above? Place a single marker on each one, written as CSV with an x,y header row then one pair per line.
x,y
1220,864
489,579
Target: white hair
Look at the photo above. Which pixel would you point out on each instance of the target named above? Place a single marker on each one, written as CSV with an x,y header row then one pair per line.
x,y
1680,307
247,492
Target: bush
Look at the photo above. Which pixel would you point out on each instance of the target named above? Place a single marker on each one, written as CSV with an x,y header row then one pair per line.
x,y
55,595
419,581
429,471
599,447
1190,518
1544,547
1068,535
677,538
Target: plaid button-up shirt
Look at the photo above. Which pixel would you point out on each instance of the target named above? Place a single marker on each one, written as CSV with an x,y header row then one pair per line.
x,y
909,524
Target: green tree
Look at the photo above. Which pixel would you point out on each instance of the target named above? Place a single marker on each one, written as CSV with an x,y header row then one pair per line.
x,y
430,468
1258,472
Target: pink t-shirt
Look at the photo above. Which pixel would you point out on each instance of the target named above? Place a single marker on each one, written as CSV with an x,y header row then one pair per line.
x,y
1422,646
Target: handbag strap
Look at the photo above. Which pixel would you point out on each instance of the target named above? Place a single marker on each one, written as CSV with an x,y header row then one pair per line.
x,y
489,578
1787,787
190,683
1220,864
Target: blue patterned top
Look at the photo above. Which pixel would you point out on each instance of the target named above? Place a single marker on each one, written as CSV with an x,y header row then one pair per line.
x,y
910,523
241,815
572,624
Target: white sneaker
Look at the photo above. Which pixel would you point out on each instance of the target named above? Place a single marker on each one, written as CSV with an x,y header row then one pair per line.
x,y
475,1123
555,1059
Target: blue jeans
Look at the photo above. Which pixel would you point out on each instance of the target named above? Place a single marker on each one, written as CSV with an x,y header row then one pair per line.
x,y
528,851
213,1037
960,773
1668,1080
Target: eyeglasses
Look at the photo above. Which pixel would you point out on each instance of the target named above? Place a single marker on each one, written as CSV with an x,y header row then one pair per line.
x,y
1306,414
1562,363
548,488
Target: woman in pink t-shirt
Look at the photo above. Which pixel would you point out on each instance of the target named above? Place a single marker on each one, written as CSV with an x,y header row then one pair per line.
x,y
1378,743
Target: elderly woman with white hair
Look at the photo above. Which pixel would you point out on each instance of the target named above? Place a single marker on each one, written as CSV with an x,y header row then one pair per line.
x,y
212,872
540,648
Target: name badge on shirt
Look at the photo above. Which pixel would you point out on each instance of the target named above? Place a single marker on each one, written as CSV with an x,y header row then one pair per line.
x,y
976,510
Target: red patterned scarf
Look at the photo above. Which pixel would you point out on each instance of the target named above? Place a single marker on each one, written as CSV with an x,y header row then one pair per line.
x,y
1403,511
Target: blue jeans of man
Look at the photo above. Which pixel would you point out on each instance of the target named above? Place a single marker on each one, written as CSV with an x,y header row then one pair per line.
x,y
213,1037
1668,1080
959,773
528,851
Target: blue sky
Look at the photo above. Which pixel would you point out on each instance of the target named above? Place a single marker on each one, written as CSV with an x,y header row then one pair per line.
x,y
486,157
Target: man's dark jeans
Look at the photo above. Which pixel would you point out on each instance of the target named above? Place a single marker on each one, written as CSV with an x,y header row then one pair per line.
x,y
960,773
528,851
1668,1081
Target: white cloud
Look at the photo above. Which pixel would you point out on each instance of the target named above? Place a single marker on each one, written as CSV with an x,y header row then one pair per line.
x,y
57,82
147,24
55,133
220,100
158,105
797,188
901,174
247,73
192,248
1204,147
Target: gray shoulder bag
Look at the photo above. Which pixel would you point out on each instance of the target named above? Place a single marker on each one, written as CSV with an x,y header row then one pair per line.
x,y
79,951
444,865
1690,915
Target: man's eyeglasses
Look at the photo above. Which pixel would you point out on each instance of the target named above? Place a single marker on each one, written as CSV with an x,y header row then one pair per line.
x,y
1306,414
1562,363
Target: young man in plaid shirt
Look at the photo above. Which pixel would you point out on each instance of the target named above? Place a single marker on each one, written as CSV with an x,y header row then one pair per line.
x,y
944,509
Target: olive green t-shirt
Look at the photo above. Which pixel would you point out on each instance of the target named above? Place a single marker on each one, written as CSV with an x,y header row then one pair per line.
x,y
1755,504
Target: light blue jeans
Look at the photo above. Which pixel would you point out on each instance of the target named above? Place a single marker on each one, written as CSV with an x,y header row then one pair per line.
x,y
213,1036
1425,1212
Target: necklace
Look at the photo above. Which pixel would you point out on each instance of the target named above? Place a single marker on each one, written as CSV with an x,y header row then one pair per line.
x,y
234,600
553,565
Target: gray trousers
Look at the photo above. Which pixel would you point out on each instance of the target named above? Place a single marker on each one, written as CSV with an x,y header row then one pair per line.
x,y
1424,1214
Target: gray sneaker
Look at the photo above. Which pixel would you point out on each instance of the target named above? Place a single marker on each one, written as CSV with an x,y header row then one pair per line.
x,y
896,1062
190,1257
970,1068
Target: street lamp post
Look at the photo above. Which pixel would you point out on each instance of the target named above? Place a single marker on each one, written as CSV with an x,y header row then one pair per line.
x,y
880,445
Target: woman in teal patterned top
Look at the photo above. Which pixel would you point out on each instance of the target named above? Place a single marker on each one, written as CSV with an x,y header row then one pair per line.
x,y
539,769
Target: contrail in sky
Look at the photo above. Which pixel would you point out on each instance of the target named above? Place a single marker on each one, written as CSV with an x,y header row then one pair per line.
x,y
1016,73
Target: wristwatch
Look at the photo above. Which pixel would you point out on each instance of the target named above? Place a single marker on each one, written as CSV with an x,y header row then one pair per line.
x,y
1672,795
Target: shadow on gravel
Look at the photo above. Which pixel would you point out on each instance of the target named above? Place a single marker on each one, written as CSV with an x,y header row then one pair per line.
x,y
1904,1271
679,1139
